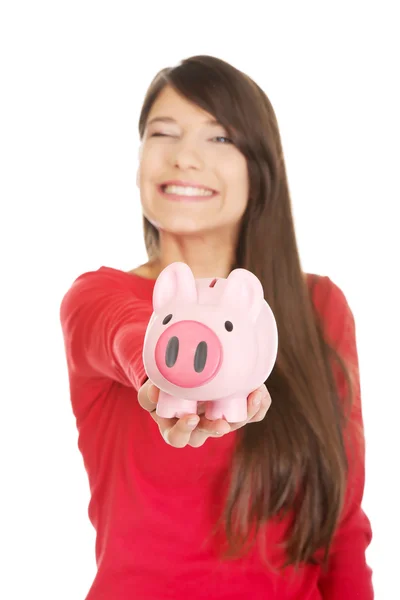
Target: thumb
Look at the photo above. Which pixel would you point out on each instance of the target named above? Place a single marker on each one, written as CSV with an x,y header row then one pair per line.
x,y
148,396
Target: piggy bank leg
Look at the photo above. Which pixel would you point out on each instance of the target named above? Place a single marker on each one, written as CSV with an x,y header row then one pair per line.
x,y
233,410
169,406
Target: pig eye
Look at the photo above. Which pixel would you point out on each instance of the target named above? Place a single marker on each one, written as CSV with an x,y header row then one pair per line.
x,y
167,319
228,326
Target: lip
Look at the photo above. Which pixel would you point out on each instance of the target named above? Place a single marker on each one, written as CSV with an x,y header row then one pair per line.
x,y
185,184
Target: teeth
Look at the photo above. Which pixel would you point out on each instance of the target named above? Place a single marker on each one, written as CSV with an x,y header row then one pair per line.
x,y
187,191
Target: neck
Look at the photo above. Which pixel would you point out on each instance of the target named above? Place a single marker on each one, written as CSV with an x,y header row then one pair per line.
x,y
208,255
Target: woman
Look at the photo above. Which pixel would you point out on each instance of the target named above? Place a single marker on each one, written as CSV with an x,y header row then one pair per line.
x,y
269,508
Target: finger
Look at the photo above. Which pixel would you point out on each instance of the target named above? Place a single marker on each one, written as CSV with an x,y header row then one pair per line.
x,y
177,434
163,424
254,406
148,396
257,407
255,401
198,438
264,408
213,428
207,429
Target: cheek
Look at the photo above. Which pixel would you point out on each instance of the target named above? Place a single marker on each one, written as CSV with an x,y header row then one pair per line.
x,y
149,165
237,180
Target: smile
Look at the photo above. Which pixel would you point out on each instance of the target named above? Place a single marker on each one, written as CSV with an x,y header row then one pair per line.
x,y
187,192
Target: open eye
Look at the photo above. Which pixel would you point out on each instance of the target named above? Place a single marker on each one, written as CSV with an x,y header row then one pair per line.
x,y
228,325
223,137
167,319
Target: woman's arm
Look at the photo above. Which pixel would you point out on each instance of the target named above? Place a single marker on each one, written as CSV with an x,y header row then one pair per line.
x,y
104,324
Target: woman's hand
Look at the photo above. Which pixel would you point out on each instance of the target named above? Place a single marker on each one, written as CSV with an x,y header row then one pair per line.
x,y
193,430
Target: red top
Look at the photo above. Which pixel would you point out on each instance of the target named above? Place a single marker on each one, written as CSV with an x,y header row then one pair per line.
x,y
153,505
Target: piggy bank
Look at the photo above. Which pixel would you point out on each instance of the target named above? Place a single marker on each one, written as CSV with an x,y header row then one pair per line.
x,y
208,340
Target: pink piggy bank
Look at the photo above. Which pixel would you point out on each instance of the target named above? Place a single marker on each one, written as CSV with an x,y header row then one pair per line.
x,y
212,340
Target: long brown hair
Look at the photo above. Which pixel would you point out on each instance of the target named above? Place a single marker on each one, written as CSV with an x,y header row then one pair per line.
x,y
294,461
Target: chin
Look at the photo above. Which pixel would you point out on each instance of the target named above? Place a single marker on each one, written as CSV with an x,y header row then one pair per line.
x,y
183,226
182,230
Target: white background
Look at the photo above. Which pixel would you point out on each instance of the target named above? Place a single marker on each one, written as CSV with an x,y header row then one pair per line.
x,y
73,77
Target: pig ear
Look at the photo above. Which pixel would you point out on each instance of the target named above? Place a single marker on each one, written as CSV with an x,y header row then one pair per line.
x,y
244,291
175,282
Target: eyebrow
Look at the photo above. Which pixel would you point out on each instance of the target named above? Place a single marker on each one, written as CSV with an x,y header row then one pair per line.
x,y
171,120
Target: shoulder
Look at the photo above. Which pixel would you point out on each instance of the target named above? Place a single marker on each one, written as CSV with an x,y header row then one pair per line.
x,y
332,306
327,295
106,277
106,280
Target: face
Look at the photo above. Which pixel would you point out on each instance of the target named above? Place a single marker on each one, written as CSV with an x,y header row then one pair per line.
x,y
192,178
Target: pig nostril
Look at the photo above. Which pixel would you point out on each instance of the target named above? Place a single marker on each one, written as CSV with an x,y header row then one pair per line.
x,y
200,357
171,352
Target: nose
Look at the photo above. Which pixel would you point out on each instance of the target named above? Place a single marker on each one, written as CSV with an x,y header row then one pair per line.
x,y
186,155
188,354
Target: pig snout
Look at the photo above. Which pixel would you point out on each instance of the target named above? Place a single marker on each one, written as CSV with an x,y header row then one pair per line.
x,y
188,354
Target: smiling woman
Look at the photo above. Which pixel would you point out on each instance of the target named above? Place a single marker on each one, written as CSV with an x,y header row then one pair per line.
x,y
266,508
